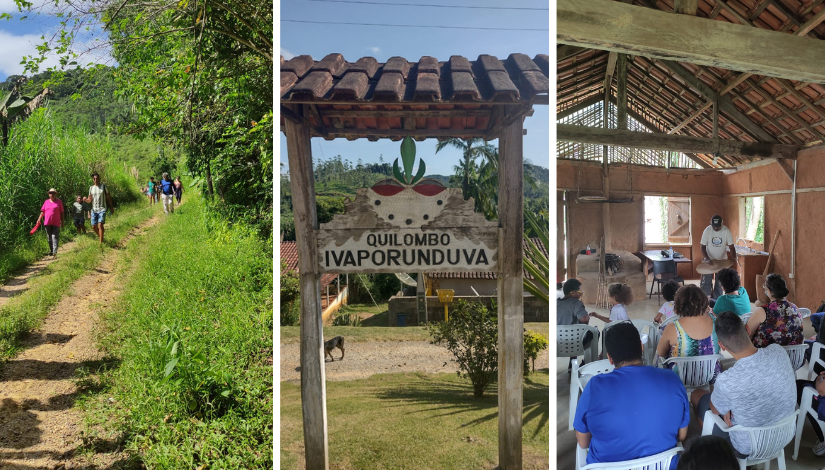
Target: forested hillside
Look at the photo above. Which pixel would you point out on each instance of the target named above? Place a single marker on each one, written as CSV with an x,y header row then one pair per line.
x,y
338,178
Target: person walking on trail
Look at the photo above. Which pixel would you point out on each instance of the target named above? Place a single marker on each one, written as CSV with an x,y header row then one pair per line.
x,y
101,201
151,188
178,189
51,213
167,190
79,214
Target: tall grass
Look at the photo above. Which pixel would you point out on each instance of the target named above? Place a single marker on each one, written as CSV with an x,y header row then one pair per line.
x,y
43,154
192,331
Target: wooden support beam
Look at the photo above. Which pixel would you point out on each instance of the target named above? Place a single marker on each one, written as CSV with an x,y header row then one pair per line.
x,y
313,383
812,23
616,26
563,51
510,297
621,93
677,143
787,167
302,120
686,7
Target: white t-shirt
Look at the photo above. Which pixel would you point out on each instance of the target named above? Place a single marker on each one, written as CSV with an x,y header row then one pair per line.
x,y
717,242
618,313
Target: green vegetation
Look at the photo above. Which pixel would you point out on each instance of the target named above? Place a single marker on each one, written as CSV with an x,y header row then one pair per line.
x,y
435,422
338,178
43,154
471,335
25,312
534,343
192,332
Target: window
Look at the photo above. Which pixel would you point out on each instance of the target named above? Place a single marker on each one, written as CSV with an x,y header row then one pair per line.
x,y
667,220
754,218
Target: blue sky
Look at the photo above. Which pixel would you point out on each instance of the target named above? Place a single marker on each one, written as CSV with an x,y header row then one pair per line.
x,y
354,42
20,35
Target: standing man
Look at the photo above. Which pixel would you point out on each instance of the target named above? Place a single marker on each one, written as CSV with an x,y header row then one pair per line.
x,y
101,200
716,242
167,194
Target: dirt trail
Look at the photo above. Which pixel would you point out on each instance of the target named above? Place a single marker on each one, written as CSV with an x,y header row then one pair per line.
x,y
365,359
40,429
19,284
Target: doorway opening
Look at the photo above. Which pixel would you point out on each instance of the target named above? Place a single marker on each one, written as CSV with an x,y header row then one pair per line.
x,y
667,220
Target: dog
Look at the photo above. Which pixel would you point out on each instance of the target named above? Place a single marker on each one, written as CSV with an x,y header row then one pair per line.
x,y
337,342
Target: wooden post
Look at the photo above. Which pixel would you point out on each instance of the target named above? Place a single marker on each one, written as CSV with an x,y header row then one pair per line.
x,y
313,385
621,93
510,296
606,173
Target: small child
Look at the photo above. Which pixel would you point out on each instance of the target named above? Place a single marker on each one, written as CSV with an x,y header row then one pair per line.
x,y
669,293
621,295
79,210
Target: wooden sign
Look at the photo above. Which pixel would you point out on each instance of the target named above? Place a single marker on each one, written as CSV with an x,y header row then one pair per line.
x,y
419,226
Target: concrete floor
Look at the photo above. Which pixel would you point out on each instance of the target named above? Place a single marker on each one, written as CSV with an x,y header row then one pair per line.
x,y
646,310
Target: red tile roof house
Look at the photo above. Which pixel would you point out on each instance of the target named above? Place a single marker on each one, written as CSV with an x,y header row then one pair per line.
x,y
332,299
464,284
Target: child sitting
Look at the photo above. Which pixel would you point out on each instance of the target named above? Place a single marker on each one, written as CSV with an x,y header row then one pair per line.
x,y
621,295
669,293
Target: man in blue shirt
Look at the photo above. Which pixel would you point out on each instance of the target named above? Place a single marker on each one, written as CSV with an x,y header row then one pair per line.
x,y
633,412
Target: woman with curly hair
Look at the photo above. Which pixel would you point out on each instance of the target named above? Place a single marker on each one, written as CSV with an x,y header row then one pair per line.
x,y
621,295
694,333
777,322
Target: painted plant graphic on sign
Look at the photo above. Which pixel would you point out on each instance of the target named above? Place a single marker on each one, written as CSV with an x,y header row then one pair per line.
x,y
408,224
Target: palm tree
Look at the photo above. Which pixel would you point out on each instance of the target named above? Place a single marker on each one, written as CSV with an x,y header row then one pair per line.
x,y
471,150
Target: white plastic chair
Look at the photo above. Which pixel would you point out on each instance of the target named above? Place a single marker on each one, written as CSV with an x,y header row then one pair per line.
x,y
767,442
649,353
579,378
796,353
660,461
805,408
653,336
695,371
815,359
805,312
669,320
569,342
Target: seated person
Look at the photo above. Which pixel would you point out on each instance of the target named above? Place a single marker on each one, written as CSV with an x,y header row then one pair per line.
x,y
708,453
735,298
570,309
818,405
613,403
778,321
666,311
693,333
758,390
621,295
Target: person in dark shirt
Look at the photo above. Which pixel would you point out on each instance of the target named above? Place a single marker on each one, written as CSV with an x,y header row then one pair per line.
x,y
570,310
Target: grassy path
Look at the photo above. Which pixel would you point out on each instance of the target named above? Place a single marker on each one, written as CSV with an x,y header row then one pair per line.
x,y
40,385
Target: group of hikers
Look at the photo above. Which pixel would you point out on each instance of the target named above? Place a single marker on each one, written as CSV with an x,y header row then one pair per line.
x,y
95,205
166,190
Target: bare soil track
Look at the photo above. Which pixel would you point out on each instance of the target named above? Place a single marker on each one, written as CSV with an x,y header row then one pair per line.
x,y
39,426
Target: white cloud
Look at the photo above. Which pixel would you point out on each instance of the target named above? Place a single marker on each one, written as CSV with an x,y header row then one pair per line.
x,y
8,6
373,49
13,50
287,55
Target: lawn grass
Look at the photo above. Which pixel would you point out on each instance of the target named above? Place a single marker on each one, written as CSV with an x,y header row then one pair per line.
x,y
415,421
371,314
364,334
208,287
26,311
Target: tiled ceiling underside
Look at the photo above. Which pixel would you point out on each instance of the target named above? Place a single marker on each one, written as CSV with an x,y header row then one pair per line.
x,y
790,111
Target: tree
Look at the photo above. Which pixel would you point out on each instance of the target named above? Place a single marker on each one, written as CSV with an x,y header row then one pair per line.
x,y
471,149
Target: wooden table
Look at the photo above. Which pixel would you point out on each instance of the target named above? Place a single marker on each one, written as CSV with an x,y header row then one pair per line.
x,y
656,255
